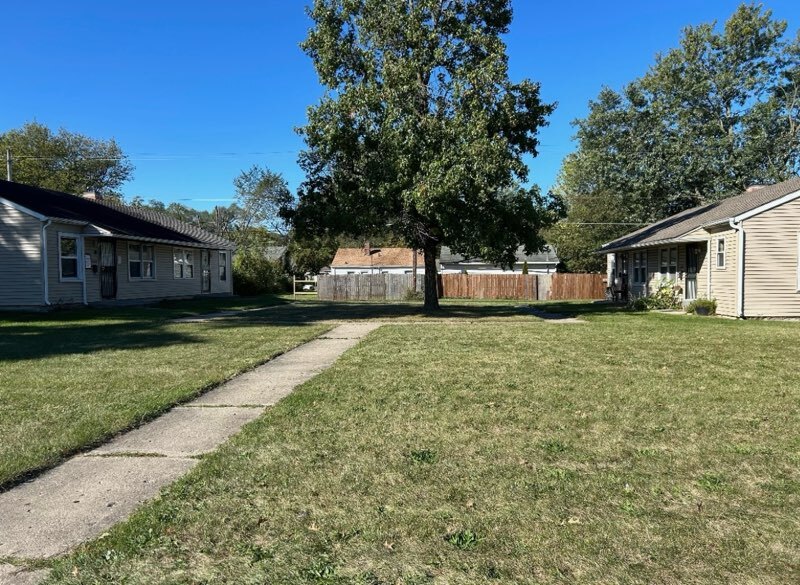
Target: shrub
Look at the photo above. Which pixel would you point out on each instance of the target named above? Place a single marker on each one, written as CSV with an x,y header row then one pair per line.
x,y
666,297
253,274
703,306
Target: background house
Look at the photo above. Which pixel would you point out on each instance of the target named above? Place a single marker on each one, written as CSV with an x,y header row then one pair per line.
x,y
742,251
368,260
65,249
544,262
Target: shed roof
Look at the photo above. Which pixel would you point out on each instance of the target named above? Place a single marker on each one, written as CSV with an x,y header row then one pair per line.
x,y
119,220
680,224
377,257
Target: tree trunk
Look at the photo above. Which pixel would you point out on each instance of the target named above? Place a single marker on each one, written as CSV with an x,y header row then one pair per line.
x,y
431,277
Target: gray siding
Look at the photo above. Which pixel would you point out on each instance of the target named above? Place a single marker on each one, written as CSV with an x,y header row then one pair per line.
x,y
771,262
723,280
62,291
164,285
20,256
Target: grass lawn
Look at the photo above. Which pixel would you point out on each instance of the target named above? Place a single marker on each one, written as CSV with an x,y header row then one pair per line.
x,y
72,379
631,449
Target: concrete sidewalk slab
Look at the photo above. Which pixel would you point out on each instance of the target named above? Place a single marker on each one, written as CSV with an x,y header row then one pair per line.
x,y
78,500
11,575
81,498
353,330
182,432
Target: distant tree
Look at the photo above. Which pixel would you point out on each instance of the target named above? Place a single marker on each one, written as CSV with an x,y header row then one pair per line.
x,y
310,255
711,117
65,161
525,267
260,195
420,130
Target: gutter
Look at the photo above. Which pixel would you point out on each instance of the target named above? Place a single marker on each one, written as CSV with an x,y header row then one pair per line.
x,y
737,226
45,224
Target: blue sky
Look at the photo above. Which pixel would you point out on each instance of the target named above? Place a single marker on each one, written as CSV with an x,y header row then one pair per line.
x,y
196,91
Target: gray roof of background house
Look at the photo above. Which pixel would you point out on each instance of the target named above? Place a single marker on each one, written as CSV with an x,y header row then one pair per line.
x,y
546,256
275,253
710,214
119,220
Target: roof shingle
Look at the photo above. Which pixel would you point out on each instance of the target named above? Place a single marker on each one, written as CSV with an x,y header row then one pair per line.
x,y
120,220
689,220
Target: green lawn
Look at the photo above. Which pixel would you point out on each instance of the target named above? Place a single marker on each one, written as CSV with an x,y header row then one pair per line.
x,y
72,379
630,449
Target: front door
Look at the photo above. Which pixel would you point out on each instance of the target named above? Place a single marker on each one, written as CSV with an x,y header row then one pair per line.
x,y
108,269
693,260
205,271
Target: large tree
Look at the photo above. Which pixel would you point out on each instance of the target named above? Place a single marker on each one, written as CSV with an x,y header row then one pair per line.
x,y
65,161
420,130
711,117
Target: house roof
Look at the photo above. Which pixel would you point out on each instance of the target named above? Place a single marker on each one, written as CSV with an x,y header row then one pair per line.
x,y
545,256
378,257
680,224
114,218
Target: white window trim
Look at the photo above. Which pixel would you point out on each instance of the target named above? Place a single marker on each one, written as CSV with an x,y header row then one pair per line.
x,y
222,254
128,252
79,269
724,253
183,251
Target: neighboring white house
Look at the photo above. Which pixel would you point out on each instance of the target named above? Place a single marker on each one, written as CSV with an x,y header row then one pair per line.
x,y
545,262
61,249
369,260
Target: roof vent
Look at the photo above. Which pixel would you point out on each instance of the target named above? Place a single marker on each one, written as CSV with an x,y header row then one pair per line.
x,y
92,195
752,188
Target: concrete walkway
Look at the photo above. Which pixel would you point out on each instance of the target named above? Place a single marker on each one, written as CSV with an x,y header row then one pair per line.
x,y
88,494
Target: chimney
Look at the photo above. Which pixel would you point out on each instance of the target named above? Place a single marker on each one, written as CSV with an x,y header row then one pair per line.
x,y
752,188
92,195
367,249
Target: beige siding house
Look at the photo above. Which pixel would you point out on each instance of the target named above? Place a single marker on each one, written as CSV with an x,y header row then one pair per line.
x,y
60,249
743,251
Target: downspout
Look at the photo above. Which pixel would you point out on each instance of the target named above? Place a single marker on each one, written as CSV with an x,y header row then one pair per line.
x,y
82,268
45,225
708,260
739,267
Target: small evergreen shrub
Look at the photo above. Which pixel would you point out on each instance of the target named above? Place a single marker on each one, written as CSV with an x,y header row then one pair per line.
x,y
702,307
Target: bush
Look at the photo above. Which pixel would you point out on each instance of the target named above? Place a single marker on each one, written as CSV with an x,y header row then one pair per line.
x,y
253,274
666,297
702,307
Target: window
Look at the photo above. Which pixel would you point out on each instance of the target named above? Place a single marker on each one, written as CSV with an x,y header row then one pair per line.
x,y
721,253
68,257
223,266
640,267
182,263
141,263
669,263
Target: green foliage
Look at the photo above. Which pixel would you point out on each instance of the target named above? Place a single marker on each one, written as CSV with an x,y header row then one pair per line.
x,y
665,297
254,274
311,253
463,539
703,306
260,194
591,221
65,161
420,129
423,456
714,115
525,267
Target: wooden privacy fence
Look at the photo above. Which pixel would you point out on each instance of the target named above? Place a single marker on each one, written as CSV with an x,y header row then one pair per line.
x,y
396,287
490,286
565,287
366,287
